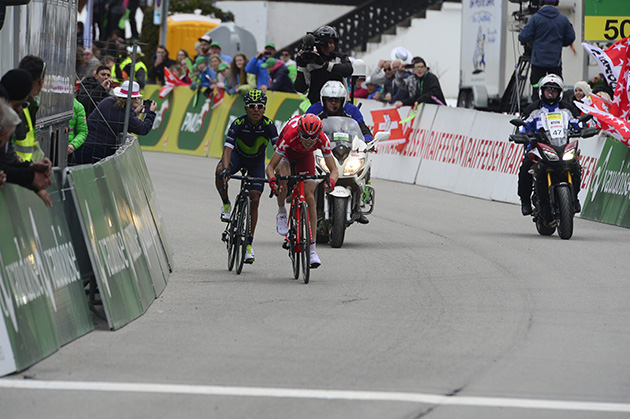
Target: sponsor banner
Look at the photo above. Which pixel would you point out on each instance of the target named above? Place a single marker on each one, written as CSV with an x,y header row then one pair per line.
x,y
606,20
142,176
42,297
608,198
399,158
112,242
189,123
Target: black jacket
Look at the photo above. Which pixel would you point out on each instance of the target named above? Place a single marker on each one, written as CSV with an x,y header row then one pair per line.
x,y
90,94
421,90
280,80
313,76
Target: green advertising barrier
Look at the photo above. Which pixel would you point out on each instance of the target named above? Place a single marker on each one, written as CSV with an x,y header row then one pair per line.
x,y
42,298
125,248
189,123
608,198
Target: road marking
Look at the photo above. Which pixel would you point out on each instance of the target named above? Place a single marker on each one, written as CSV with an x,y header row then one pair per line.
x,y
316,394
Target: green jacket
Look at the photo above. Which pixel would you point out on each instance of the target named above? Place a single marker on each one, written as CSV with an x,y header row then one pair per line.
x,y
78,126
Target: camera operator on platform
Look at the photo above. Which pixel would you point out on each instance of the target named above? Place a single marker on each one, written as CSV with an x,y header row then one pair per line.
x,y
318,62
547,31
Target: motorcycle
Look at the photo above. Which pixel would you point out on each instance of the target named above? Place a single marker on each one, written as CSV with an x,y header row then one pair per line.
x,y
353,195
553,155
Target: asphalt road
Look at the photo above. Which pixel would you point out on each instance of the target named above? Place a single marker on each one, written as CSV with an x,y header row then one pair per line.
x,y
444,306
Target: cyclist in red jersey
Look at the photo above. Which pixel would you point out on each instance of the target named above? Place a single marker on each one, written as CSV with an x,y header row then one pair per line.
x,y
296,143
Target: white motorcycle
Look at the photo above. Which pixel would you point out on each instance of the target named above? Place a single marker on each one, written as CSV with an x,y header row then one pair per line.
x,y
353,196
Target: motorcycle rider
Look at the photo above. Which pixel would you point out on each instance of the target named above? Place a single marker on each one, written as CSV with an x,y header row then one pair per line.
x,y
245,146
550,93
333,102
318,61
296,143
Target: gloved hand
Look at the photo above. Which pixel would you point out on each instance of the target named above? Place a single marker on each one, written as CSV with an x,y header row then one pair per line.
x,y
299,61
225,174
273,184
331,185
368,138
319,60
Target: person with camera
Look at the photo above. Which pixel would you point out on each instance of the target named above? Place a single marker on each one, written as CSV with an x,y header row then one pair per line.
x,y
255,66
95,88
107,122
319,62
544,35
422,87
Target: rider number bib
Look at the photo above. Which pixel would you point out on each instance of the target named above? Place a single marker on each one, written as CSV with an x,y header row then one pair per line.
x,y
556,126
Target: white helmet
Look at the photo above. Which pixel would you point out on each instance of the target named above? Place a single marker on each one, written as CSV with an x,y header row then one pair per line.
x,y
333,88
553,81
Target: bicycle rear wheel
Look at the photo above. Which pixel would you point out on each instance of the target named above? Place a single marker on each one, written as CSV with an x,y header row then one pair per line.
x,y
242,233
305,242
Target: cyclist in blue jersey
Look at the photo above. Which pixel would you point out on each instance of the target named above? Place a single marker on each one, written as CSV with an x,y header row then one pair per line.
x,y
245,147
333,102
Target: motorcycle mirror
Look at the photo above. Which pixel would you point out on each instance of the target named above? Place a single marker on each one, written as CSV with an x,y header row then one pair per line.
x,y
586,117
517,122
381,136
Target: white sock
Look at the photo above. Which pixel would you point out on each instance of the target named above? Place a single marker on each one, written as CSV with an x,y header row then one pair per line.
x,y
313,247
282,209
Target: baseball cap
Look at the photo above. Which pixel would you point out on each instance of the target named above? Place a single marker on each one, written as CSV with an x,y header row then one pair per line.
x,y
206,38
223,66
270,45
18,83
270,62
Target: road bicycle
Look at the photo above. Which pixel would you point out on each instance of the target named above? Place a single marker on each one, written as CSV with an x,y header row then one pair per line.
x,y
299,238
238,229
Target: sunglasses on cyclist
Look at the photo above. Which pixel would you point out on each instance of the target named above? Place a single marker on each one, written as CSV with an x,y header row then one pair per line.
x,y
309,137
256,106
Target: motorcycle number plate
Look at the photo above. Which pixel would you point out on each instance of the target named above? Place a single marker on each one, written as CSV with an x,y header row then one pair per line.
x,y
341,136
556,125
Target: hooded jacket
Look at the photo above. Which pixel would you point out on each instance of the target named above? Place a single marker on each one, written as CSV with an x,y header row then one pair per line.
x,y
549,31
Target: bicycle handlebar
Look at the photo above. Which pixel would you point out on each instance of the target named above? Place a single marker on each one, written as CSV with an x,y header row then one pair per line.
x,y
249,179
303,177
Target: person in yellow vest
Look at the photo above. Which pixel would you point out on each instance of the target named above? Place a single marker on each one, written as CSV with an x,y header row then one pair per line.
x,y
25,138
140,75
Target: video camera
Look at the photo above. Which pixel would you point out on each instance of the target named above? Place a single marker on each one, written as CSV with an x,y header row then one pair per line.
x,y
308,48
529,7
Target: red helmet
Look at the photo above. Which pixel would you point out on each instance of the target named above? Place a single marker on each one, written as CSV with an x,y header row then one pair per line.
x,y
309,125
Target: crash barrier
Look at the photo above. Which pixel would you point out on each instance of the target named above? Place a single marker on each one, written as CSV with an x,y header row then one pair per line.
x,y
467,152
459,150
104,224
189,123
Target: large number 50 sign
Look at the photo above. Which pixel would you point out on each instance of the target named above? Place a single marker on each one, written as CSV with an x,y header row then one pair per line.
x,y
606,20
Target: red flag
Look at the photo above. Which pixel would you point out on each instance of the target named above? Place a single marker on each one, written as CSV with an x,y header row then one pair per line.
x,y
621,101
616,127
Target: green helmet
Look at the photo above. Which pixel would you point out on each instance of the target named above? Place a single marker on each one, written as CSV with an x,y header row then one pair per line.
x,y
255,96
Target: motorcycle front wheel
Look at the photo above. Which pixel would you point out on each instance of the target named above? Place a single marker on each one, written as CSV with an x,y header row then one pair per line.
x,y
566,209
338,224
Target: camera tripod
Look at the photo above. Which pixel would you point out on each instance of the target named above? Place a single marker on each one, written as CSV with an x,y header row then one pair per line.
x,y
512,97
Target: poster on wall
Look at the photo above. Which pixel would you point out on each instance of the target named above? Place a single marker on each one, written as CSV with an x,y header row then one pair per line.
x,y
606,20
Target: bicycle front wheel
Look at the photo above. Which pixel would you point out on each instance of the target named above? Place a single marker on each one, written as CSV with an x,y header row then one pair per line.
x,y
305,242
242,233
293,243
231,241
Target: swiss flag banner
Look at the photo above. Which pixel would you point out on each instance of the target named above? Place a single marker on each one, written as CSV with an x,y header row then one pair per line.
x,y
389,120
170,81
621,99
616,127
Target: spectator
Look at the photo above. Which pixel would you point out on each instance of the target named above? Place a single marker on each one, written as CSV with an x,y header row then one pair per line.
x,y
254,66
318,66
422,87
214,62
183,58
220,79
140,73
133,8
181,74
34,176
547,31
79,62
237,76
360,89
115,10
110,62
18,84
372,89
80,32
160,60
25,140
581,90
599,85
107,123
114,46
215,49
94,89
391,92
280,80
90,64
287,58
204,46
203,78
78,129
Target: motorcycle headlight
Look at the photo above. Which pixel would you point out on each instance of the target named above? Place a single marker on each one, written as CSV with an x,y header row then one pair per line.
x,y
322,163
551,156
569,155
352,166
